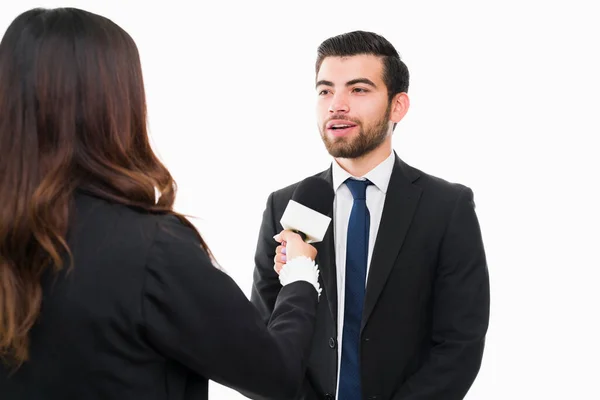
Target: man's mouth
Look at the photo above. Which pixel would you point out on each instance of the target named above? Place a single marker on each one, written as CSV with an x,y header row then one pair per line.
x,y
340,127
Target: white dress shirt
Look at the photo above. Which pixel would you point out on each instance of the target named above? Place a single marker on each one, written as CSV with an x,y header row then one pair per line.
x,y
342,205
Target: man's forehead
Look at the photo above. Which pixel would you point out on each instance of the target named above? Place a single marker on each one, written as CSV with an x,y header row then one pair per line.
x,y
341,69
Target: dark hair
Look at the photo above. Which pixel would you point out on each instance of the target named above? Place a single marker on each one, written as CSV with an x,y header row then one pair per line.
x,y
395,72
72,115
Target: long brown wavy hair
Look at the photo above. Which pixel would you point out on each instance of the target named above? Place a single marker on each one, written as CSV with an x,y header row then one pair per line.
x,y
72,115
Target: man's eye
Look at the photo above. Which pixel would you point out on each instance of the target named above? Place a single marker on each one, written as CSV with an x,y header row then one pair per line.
x,y
359,90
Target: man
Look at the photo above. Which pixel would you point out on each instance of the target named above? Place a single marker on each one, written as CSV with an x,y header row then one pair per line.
x,y
405,305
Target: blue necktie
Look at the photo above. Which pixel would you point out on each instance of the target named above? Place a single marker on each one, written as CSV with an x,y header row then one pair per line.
x,y
357,251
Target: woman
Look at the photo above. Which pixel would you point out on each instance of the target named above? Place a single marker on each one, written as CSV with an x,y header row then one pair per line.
x,y
106,292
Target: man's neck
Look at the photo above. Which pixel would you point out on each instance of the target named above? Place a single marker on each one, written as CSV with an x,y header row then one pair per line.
x,y
365,163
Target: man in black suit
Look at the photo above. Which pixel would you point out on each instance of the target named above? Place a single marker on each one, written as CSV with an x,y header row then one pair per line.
x,y
405,305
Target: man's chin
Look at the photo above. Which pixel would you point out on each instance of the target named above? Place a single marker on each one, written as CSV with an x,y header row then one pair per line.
x,y
342,147
342,152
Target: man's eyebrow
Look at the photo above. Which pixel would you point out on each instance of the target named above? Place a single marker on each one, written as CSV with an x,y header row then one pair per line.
x,y
325,83
361,80
349,83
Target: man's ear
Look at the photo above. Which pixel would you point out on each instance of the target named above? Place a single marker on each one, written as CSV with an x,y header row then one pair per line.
x,y
400,105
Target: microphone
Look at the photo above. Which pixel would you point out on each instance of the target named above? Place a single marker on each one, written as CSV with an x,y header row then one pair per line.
x,y
307,211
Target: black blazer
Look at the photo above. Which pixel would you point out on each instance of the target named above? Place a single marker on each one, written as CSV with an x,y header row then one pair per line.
x,y
144,315
427,299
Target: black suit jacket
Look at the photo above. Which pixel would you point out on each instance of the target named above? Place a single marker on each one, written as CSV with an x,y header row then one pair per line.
x,y
426,305
144,315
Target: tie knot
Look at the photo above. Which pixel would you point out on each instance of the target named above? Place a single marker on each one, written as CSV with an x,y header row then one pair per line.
x,y
358,188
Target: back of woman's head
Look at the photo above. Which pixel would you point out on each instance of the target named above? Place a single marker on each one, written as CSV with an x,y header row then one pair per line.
x,y
72,115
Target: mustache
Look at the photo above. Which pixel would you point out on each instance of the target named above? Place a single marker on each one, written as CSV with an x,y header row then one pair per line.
x,y
343,118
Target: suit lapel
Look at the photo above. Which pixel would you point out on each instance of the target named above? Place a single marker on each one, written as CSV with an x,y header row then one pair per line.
x,y
326,259
400,204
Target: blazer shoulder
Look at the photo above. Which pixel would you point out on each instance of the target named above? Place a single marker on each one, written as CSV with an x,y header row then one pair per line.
x,y
127,223
436,185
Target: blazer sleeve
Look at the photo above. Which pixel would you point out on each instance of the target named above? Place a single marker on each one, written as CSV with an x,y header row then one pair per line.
x,y
461,301
265,285
196,314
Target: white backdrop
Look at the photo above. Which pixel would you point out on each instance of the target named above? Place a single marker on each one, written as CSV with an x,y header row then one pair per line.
x,y
504,98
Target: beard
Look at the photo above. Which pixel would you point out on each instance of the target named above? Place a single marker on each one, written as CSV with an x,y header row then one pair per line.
x,y
367,140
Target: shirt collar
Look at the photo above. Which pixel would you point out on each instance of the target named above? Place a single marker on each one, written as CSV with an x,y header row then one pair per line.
x,y
379,176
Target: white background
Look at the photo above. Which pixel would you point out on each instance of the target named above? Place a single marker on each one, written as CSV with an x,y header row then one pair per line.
x,y
504,99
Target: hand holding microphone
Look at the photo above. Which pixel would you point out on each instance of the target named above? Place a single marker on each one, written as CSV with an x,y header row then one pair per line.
x,y
307,214
291,246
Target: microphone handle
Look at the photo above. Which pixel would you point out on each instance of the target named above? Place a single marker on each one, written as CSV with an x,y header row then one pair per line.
x,y
302,235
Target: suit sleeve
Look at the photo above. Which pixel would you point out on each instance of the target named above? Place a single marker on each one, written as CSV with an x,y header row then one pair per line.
x,y
461,300
265,286
196,314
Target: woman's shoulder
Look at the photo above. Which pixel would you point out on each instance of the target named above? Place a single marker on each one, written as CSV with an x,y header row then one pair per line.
x,y
94,213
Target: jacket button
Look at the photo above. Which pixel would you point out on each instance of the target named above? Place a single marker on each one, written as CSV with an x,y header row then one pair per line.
x,y
329,397
332,343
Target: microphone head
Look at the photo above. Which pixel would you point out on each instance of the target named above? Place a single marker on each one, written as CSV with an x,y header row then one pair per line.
x,y
316,194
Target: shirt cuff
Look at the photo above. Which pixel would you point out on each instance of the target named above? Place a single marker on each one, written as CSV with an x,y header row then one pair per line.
x,y
300,268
